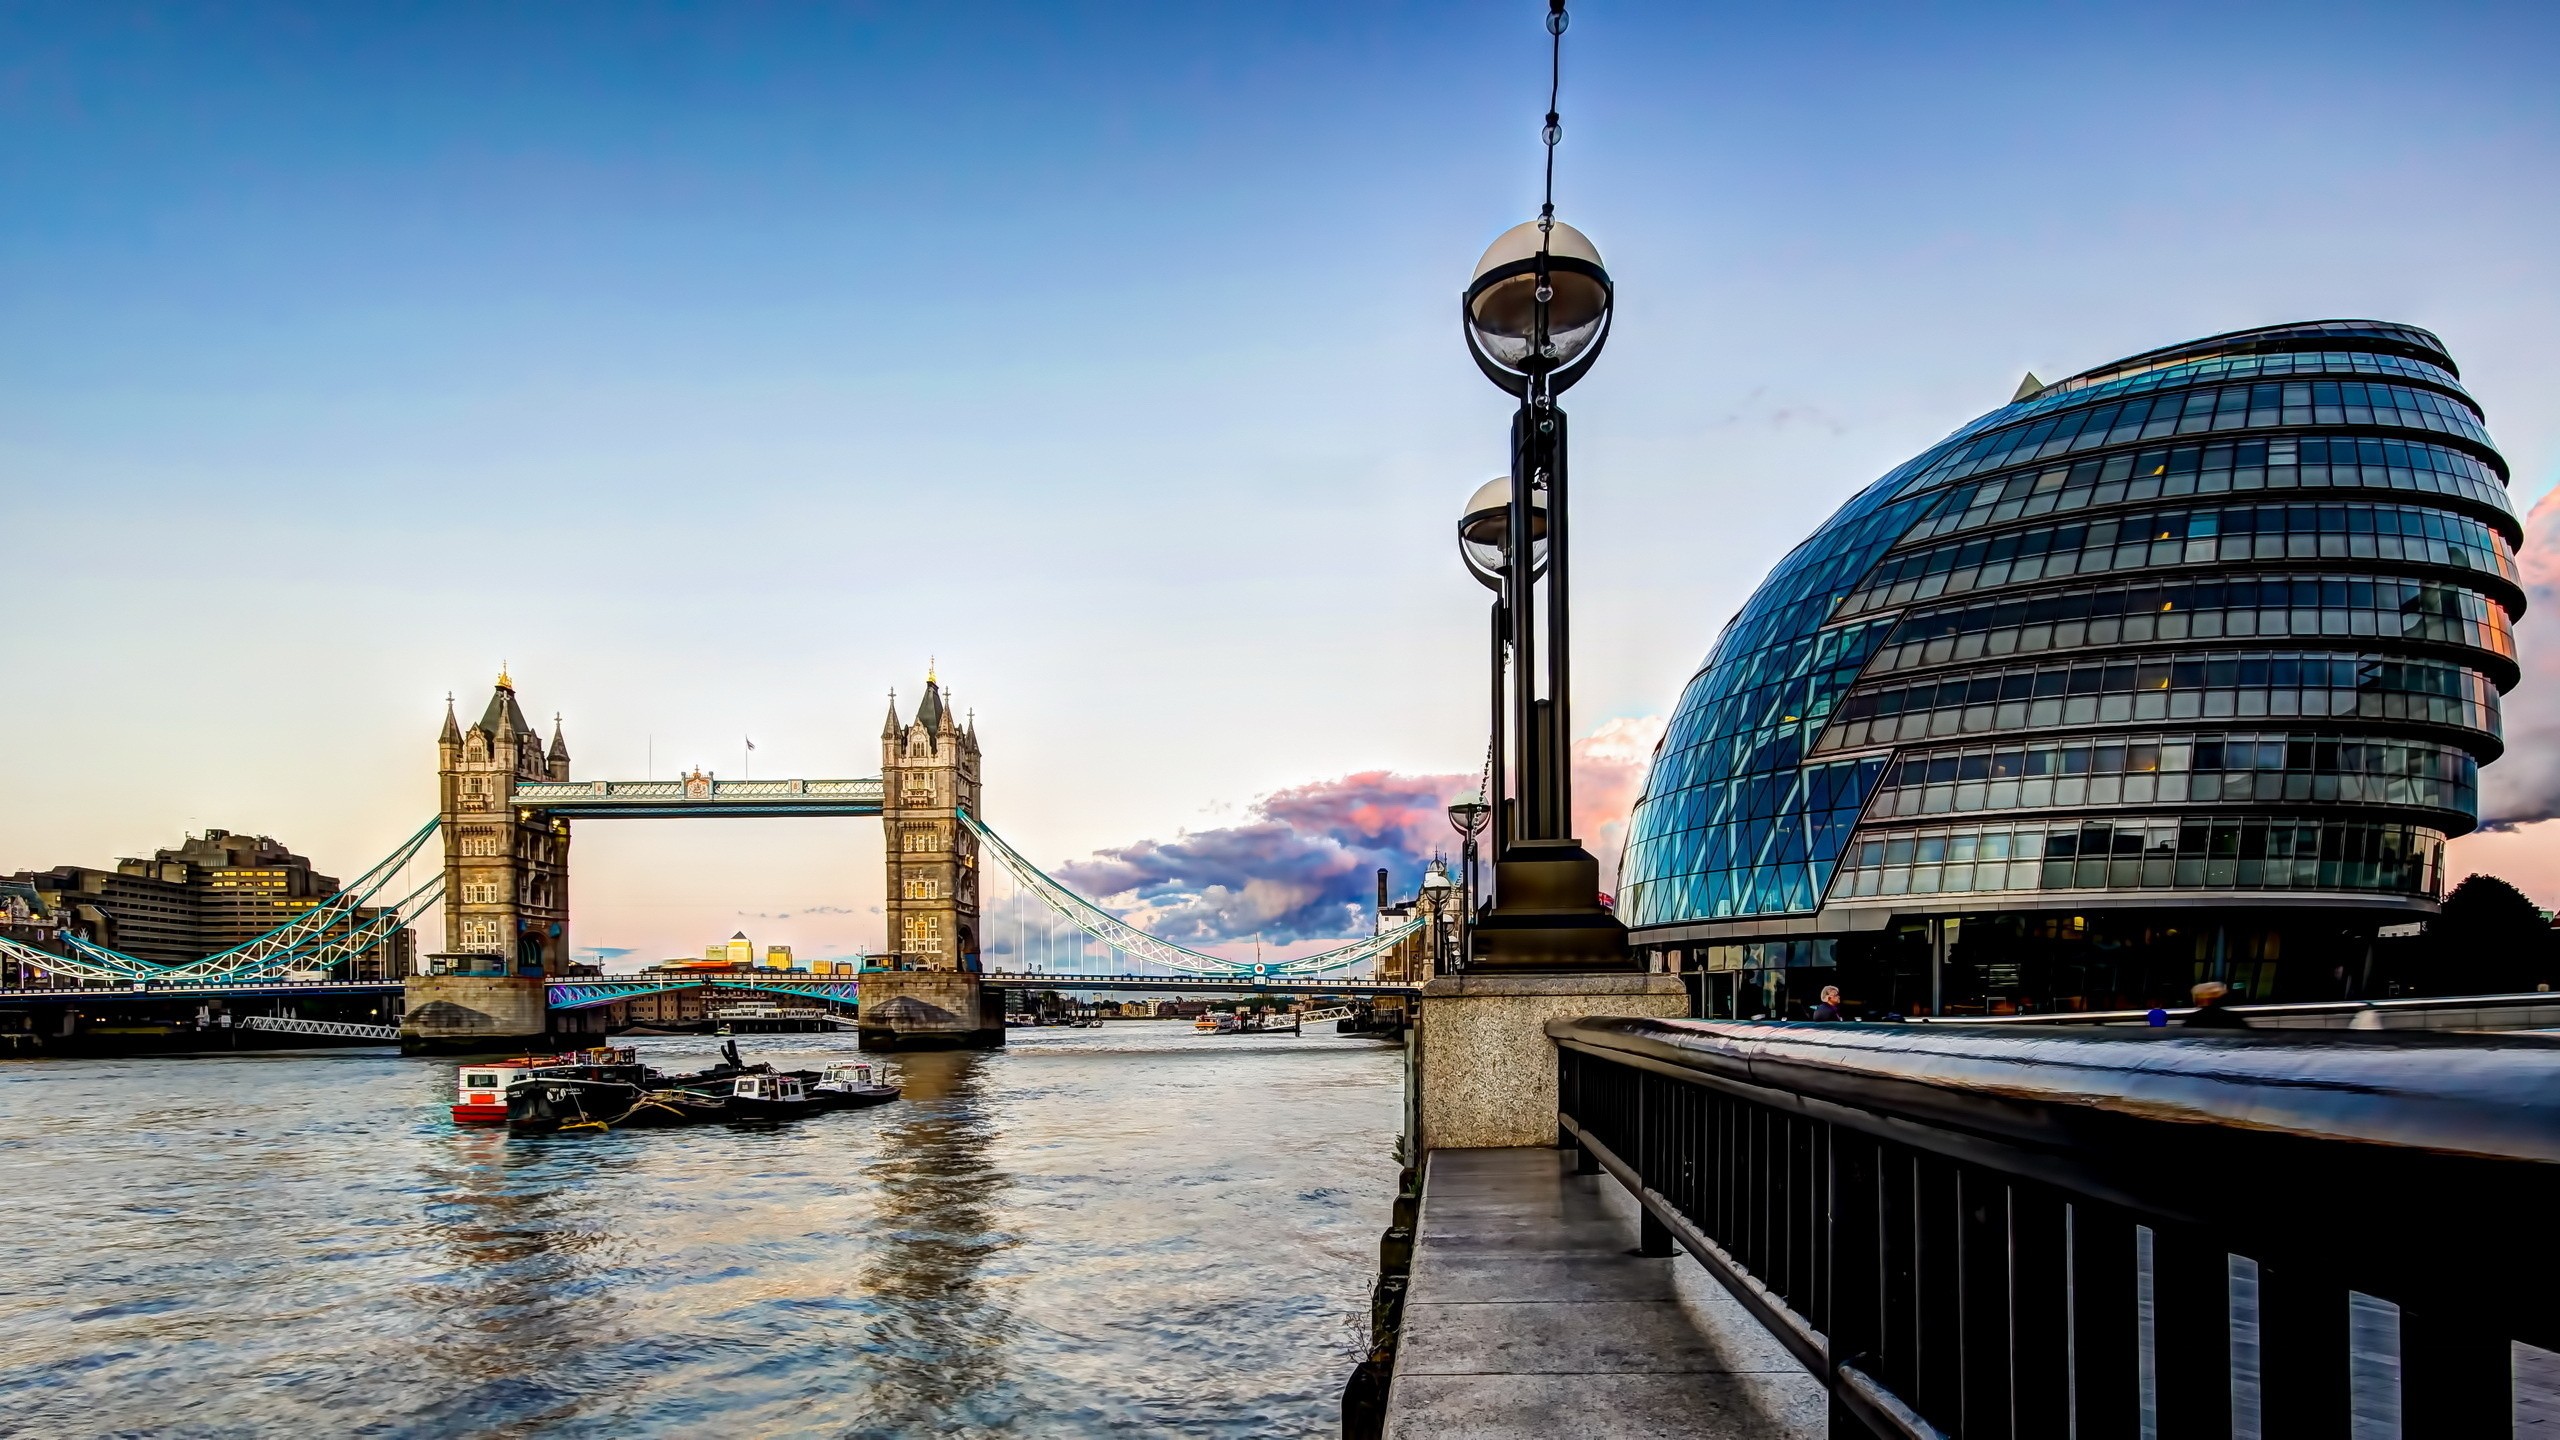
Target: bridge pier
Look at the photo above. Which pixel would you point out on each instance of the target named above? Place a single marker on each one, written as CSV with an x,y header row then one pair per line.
x,y
484,1014
929,1010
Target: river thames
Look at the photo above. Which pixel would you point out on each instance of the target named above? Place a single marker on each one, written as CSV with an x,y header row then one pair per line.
x,y
1129,1230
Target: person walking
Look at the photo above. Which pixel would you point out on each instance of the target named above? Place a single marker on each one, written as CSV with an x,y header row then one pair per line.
x,y
1827,1010
2211,1013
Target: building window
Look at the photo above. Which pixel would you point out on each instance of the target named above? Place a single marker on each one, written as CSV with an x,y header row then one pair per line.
x,y
2147,853
480,936
923,887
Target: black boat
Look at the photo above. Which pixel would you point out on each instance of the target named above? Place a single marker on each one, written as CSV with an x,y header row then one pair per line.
x,y
768,1097
581,1091
850,1086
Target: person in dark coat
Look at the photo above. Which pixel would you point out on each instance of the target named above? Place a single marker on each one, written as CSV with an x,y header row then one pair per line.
x,y
2211,1013
1828,1009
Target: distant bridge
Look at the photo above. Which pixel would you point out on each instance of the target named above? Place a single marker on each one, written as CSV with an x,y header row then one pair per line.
x,y
1200,984
503,885
198,989
679,800
580,994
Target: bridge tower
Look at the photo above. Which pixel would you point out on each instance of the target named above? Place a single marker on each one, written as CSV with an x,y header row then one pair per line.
x,y
928,774
506,872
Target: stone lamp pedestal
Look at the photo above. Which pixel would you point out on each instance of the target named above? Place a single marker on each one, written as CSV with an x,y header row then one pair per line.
x,y
1486,1068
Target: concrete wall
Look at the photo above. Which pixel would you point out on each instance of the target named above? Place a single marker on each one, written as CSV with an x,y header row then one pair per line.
x,y
1488,1068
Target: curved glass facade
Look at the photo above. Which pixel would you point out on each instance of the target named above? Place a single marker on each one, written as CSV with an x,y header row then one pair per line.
x,y
2219,622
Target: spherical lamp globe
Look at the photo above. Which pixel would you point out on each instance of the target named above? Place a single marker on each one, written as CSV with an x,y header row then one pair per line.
x,y
1511,282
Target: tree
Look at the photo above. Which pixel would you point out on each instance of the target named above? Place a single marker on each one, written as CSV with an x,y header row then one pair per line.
x,y
2488,939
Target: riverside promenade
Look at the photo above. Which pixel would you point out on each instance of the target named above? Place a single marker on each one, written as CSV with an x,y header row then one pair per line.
x,y
1531,1314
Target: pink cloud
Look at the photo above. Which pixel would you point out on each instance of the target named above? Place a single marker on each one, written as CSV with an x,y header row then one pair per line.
x,y
1302,866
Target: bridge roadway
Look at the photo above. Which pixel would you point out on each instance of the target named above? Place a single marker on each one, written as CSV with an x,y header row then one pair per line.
x,y
245,989
597,990
1199,985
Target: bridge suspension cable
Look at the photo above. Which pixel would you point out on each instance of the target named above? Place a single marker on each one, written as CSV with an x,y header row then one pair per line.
x,y
1138,945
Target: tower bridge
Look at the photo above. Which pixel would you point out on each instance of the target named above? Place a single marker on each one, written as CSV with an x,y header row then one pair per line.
x,y
506,807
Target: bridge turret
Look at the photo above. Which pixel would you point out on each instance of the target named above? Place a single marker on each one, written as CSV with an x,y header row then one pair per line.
x,y
928,773
506,870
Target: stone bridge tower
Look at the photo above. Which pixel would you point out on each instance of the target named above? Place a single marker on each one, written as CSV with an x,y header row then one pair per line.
x,y
506,873
928,774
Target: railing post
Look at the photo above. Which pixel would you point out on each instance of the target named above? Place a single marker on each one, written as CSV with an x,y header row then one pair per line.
x,y
2191,1334
1653,1238
2039,1313
2303,1380
1854,1299
2106,1326
2456,1378
1938,1290
1898,1269
1982,1228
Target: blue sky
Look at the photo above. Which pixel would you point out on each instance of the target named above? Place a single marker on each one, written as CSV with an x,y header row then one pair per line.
x,y
716,365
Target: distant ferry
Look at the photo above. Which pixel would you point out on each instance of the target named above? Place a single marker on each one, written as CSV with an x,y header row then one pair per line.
x,y
1217,1022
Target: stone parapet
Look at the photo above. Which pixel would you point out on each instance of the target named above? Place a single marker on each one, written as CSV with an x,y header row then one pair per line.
x,y
1488,1070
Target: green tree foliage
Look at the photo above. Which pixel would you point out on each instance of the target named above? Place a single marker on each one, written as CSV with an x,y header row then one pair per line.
x,y
2489,939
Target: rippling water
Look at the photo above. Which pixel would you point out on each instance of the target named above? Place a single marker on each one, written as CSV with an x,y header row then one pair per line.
x,y
1125,1230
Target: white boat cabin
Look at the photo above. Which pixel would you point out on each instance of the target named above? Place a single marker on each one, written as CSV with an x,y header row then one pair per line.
x,y
785,1088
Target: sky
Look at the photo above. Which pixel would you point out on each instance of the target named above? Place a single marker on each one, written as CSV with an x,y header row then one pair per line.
x,y
719,368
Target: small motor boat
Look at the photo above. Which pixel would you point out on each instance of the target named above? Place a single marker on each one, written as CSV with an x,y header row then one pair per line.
x,y
769,1097
480,1096
850,1086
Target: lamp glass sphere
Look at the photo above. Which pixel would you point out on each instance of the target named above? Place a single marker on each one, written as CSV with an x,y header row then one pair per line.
x,y
1502,301
1484,528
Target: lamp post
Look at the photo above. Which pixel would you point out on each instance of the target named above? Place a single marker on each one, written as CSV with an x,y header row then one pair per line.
x,y
1535,317
1467,817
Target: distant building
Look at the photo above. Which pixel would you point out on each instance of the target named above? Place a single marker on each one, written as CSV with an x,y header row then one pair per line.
x,y
736,950
213,892
777,957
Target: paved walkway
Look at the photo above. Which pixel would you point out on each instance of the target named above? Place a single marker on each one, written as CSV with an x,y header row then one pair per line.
x,y
1530,1315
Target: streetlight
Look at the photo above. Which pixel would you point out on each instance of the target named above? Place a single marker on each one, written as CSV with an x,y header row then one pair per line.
x,y
1467,817
1535,317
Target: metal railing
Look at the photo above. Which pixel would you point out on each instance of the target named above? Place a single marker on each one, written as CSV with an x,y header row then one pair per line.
x,y
1954,1228
340,1029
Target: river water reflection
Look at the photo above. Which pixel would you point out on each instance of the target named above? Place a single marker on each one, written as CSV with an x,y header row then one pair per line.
x,y
1131,1230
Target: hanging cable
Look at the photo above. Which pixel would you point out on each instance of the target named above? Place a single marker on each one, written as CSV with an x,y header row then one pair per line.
x,y
1557,20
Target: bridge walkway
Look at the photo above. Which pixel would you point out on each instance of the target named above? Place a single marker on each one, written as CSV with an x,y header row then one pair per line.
x,y
1530,1314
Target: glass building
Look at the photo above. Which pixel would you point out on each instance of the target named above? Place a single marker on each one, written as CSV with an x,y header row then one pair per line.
x,y
2181,668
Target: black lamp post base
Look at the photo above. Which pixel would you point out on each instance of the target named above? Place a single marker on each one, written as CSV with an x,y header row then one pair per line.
x,y
1547,917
